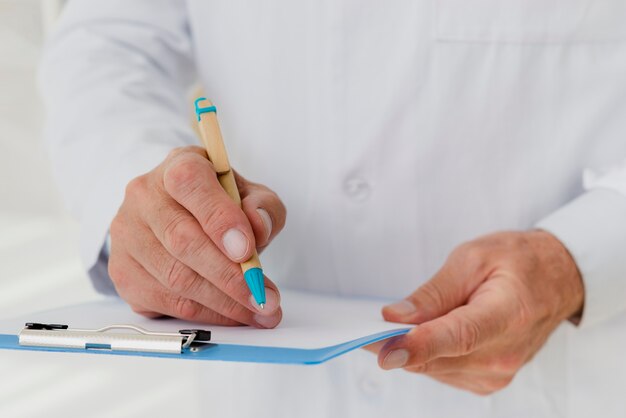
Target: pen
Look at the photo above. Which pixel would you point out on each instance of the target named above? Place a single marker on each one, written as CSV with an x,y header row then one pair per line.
x,y
216,151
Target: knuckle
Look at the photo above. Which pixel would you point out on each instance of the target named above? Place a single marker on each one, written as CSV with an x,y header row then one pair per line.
x,y
523,315
473,257
470,250
185,308
467,333
493,385
217,219
117,227
145,312
422,347
178,235
430,295
188,149
181,279
176,152
514,241
137,309
182,173
282,215
462,250
136,188
231,309
420,368
118,274
506,366
231,279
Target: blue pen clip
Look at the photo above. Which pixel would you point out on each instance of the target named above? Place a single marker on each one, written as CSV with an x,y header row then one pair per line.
x,y
201,110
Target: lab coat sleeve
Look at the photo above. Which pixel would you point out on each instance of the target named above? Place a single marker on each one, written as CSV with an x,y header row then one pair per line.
x,y
114,78
593,229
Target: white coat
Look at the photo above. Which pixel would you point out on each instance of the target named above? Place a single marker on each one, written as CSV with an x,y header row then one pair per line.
x,y
393,131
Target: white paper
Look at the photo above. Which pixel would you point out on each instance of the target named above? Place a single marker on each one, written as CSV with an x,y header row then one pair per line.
x,y
309,321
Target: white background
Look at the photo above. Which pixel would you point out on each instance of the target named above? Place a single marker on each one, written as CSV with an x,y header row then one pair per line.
x,y
39,265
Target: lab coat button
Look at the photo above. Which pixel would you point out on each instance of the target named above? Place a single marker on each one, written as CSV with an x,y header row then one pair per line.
x,y
357,188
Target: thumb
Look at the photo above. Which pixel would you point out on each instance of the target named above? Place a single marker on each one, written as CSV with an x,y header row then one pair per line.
x,y
448,289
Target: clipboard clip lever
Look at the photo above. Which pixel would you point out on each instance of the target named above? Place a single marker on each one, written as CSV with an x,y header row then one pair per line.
x,y
48,327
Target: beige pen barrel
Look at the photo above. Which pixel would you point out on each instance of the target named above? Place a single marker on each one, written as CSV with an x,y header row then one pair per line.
x,y
211,136
227,180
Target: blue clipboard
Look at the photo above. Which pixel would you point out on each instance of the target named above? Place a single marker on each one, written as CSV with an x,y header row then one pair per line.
x,y
303,339
230,352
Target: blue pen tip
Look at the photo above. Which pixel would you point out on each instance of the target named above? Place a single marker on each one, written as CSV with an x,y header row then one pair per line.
x,y
254,279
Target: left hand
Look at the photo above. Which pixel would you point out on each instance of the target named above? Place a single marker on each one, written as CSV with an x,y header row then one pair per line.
x,y
487,311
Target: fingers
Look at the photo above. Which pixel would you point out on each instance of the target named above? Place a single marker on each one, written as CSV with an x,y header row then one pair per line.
x,y
458,333
447,365
475,373
375,347
448,289
481,318
183,238
482,381
147,296
189,179
475,364
181,280
264,210
188,236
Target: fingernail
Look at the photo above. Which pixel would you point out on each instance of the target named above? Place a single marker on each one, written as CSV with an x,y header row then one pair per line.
x,y
402,308
266,321
395,359
267,221
272,302
235,243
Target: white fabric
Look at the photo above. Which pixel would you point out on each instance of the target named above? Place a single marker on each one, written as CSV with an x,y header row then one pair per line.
x,y
393,131
593,229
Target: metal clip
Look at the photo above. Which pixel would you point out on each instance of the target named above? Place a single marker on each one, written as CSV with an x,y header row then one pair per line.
x,y
61,336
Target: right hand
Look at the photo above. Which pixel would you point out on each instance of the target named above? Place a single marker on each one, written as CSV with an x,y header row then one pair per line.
x,y
177,241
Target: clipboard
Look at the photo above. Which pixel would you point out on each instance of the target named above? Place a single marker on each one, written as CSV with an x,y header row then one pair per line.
x,y
315,328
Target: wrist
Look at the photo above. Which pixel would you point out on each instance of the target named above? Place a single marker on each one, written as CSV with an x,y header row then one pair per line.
x,y
559,266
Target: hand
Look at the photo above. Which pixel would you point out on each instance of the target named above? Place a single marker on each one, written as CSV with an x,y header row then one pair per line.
x,y
178,238
486,312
